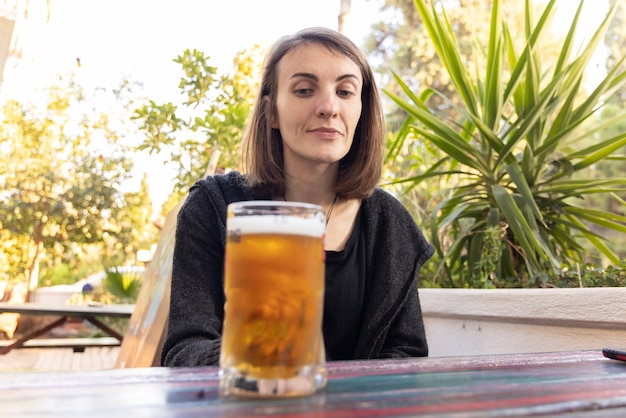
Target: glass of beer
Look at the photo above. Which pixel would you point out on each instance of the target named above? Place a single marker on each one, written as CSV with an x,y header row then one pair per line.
x,y
272,343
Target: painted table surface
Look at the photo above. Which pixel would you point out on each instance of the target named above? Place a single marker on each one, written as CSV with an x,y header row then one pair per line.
x,y
571,383
64,312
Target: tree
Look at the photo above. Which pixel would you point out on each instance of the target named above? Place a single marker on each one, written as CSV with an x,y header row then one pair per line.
x,y
344,13
615,44
133,229
212,117
61,171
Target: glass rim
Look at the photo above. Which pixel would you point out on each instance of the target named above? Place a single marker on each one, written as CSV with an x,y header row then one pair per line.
x,y
266,204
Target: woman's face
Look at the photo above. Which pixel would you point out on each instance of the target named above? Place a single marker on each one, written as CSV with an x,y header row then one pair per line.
x,y
318,105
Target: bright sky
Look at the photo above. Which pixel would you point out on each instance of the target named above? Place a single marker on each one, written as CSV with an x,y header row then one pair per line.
x,y
140,38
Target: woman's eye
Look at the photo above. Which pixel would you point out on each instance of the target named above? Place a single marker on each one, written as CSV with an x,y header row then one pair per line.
x,y
302,92
345,93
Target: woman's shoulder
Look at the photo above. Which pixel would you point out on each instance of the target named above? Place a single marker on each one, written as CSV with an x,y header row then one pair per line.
x,y
383,203
229,187
220,181
384,212
215,192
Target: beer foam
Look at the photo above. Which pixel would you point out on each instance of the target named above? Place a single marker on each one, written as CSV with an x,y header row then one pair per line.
x,y
276,224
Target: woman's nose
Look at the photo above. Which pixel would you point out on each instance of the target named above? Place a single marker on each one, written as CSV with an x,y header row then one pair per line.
x,y
328,106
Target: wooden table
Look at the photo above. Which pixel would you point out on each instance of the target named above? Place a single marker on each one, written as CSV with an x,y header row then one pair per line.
x,y
89,313
571,383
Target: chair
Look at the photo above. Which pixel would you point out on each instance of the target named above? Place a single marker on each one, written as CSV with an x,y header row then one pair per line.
x,y
143,340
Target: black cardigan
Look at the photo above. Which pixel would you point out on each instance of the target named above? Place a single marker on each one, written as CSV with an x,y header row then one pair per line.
x,y
392,324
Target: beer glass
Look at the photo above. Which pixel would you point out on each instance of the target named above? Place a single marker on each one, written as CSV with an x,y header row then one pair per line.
x,y
272,344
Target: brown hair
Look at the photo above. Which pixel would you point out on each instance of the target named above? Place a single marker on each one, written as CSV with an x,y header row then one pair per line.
x,y
360,170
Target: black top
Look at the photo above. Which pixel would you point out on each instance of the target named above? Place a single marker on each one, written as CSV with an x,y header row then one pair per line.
x,y
393,249
343,297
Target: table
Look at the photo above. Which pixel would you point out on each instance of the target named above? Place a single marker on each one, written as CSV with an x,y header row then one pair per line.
x,y
570,383
87,312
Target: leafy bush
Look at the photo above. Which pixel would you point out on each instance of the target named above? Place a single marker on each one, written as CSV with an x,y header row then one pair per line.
x,y
519,147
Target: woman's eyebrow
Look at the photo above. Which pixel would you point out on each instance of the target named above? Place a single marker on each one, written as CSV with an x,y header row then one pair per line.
x,y
316,78
305,75
346,76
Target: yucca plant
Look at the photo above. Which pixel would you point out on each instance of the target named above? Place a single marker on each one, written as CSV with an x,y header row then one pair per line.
x,y
517,152
124,286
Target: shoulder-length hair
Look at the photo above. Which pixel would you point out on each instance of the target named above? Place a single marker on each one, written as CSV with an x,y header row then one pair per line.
x,y
360,169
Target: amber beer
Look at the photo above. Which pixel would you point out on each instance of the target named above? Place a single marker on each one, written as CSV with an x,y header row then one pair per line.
x,y
274,286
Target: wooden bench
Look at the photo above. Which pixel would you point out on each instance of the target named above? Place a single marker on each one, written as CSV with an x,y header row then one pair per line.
x,y
77,344
63,312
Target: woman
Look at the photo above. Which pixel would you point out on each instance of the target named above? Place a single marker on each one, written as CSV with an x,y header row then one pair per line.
x,y
316,135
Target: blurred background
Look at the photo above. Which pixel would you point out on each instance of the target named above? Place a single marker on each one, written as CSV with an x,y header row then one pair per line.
x,y
112,109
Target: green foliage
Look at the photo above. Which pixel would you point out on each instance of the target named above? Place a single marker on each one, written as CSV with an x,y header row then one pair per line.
x,y
615,45
14,255
580,275
134,230
592,275
514,148
400,43
124,286
212,117
62,168
57,275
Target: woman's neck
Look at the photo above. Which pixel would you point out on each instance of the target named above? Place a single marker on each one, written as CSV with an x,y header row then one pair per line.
x,y
312,187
